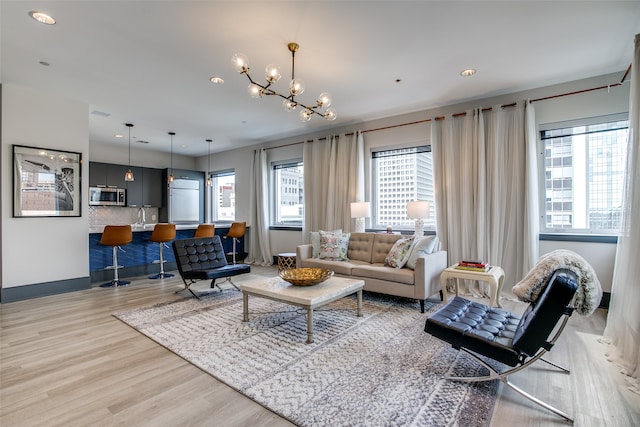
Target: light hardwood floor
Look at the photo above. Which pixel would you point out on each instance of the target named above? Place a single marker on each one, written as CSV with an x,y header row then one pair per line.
x,y
66,361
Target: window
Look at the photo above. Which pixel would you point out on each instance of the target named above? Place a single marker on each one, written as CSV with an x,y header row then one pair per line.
x,y
584,163
223,198
401,176
288,203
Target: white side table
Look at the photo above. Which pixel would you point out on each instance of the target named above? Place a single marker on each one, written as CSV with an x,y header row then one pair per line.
x,y
494,277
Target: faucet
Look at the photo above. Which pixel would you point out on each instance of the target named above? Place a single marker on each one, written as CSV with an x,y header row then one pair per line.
x,y
142,217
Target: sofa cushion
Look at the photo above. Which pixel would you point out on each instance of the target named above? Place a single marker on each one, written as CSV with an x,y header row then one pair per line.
x,y
399,253
382,244
339,267
314,239
334,246
379,271
360,246
421,246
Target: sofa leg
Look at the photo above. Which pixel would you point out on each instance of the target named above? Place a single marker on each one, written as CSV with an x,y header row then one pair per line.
x,y
421,306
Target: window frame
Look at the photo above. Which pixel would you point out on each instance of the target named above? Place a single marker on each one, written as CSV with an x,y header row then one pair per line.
x,y
275,195
571,234
409,225
213,193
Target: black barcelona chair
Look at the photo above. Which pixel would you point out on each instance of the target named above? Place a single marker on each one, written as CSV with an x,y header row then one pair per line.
x,y
203,258
516,341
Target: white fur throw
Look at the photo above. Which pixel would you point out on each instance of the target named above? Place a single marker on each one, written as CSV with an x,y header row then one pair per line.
x,y
589,291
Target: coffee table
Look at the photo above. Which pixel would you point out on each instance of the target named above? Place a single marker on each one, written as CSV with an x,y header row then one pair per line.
x,y
494,277
308,297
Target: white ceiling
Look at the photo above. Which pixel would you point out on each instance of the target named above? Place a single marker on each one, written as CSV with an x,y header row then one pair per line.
x,y
149,62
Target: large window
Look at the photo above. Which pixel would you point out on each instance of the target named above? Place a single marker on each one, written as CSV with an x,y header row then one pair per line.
x,y
223,197
584,164
288,189
401,176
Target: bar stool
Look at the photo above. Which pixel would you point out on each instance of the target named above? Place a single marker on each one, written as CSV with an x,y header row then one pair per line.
x,y
162,233
236,231
116,236
205,230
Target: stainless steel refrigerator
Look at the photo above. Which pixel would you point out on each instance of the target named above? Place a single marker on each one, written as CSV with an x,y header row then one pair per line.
x,y
184,201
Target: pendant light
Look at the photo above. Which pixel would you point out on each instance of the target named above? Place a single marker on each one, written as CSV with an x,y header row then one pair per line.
x,y
171,168
209,163
128,175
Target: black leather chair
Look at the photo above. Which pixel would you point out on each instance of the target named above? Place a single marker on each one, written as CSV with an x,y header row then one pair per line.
x,y
516,341
203,258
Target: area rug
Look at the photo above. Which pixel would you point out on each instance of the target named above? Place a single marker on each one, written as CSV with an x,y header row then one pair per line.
x,y
380,369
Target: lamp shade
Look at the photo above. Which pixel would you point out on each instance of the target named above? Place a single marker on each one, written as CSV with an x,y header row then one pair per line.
x,y
418,209
360,210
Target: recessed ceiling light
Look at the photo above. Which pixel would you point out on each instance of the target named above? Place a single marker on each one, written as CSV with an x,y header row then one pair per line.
x,y
183,145
42,17
44,63
468,72
117,135
217,80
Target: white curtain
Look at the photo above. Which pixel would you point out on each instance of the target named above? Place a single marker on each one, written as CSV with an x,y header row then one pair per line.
x,y
623,321
333,178
486,187
260,252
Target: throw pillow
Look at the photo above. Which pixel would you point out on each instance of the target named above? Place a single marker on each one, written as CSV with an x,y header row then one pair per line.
x,y
314,237
399,253
422,246
334,246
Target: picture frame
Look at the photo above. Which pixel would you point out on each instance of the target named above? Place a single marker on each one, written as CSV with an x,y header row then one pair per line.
x,y
46,182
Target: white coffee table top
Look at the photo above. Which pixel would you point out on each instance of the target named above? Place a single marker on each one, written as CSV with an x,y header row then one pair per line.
x,y
315,295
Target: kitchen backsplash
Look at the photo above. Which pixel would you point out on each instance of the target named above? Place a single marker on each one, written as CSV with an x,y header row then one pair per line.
x,y
106,215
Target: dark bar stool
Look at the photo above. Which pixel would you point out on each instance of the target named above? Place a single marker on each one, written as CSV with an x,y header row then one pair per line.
x,y
162,233
205,230
116,236
236,231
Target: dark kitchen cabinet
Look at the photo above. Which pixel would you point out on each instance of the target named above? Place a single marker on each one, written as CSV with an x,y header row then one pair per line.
x,y
146,189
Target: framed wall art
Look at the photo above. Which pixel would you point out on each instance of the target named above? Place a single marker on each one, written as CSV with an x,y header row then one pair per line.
x,y
46,182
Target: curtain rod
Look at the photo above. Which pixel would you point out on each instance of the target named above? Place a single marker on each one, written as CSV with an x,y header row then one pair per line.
x,y
624,77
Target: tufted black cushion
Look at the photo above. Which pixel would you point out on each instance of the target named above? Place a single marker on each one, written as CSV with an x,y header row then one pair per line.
x,y
499,334
204,258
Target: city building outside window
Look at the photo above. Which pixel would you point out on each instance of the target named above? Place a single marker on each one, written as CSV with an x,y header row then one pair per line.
x,y
223,196
583,175
288,190
401,176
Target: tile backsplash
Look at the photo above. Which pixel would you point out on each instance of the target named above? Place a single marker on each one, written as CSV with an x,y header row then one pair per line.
x,y
107,215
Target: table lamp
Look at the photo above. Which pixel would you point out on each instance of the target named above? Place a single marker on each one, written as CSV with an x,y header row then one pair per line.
x,y
418,210
360,211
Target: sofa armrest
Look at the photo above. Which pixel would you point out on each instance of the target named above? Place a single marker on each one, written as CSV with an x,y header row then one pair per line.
x,y
303,252
427,274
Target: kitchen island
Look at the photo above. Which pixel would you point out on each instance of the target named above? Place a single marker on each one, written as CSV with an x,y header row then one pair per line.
x,y
137,257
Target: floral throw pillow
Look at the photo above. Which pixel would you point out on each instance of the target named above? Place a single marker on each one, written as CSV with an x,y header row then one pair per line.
x,y
399,253
315,241
334,246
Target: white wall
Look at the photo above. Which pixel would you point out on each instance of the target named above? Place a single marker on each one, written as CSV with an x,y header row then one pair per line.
x,y
596,103
144,158
39,250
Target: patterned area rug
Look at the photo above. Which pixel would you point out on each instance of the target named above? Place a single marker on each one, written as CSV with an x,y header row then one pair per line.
x,y
381,369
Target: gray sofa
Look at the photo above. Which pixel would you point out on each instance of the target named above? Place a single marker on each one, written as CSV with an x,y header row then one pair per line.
x,y
367,252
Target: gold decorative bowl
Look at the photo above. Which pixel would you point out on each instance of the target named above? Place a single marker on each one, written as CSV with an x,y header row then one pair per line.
x,y
305,276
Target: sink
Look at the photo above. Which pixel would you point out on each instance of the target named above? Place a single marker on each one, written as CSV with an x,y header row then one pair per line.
x,y
137,227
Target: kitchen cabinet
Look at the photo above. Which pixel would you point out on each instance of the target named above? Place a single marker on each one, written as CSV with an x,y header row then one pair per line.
x,y
106,174
146,189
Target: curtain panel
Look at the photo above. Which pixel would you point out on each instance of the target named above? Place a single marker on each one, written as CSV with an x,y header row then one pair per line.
x,y
623,321
486,188
259,210
333,178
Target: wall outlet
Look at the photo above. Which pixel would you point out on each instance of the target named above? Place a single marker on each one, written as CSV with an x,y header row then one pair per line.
x,y
153,217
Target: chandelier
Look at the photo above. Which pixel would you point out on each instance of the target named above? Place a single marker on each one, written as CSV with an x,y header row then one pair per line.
x,y
296,87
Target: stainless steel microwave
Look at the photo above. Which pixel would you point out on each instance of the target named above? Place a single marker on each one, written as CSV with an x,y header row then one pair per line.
x,y
107,196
